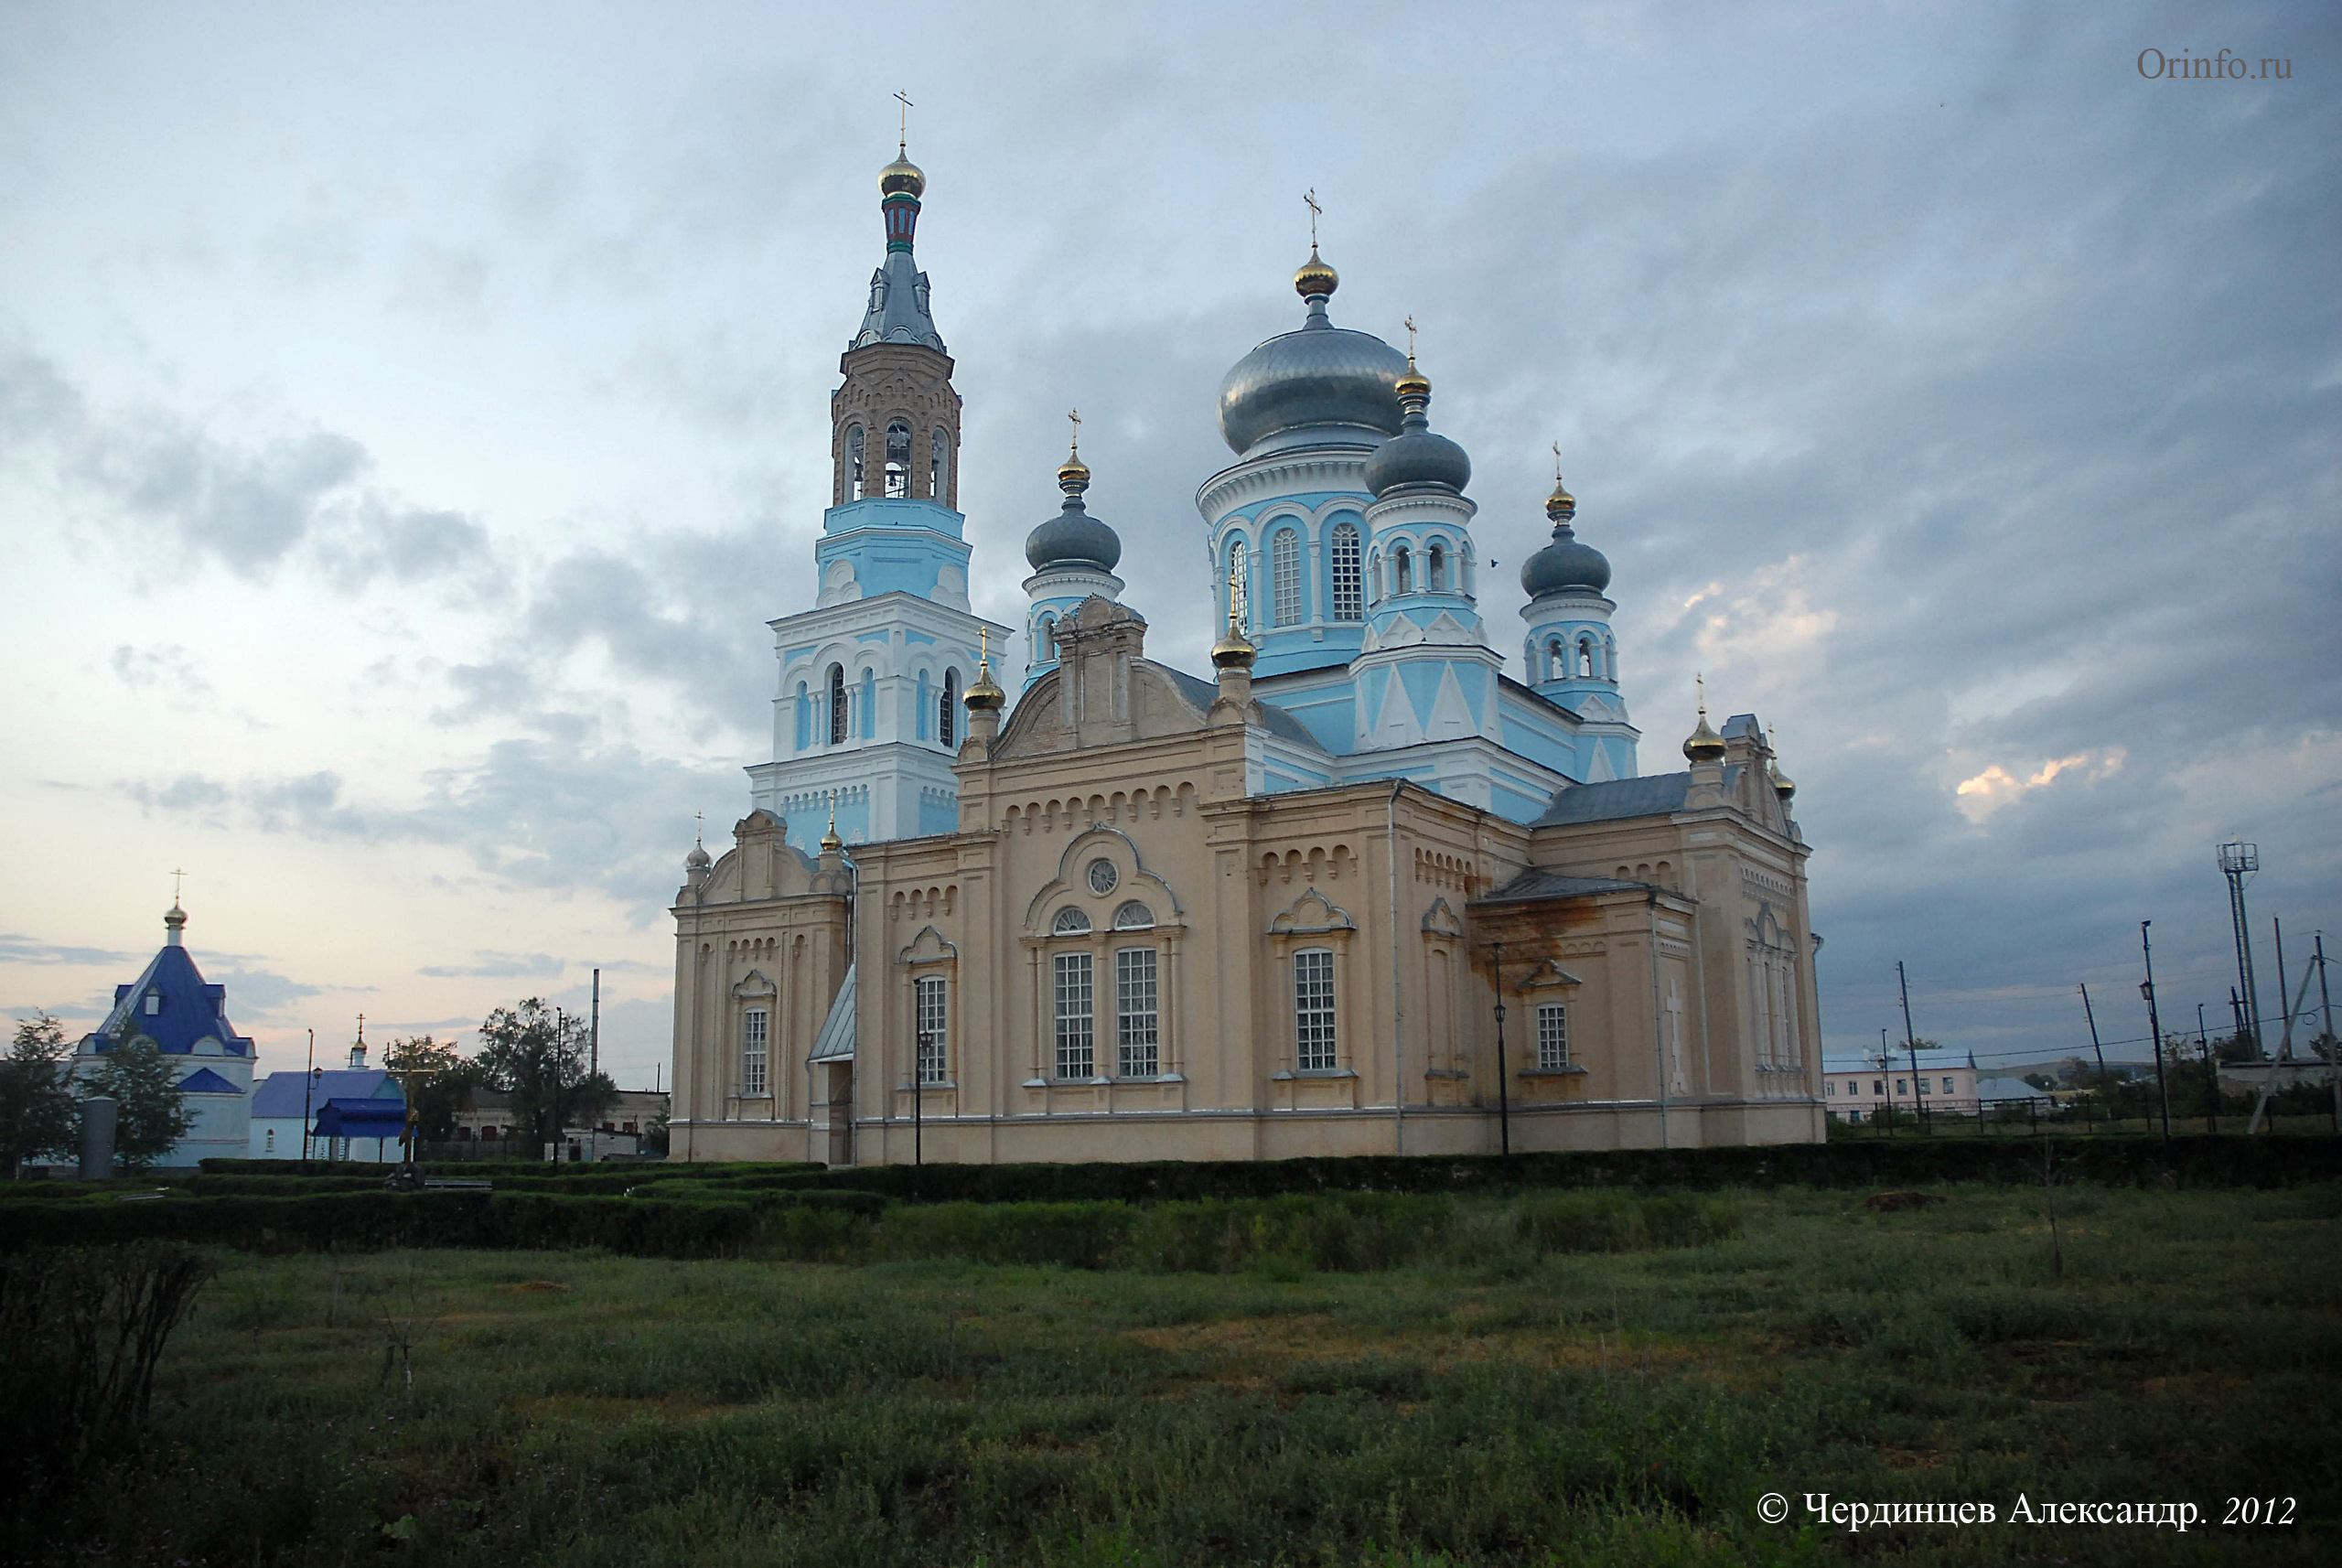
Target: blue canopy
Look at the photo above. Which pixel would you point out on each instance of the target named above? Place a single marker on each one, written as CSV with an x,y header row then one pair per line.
x,y
361,1119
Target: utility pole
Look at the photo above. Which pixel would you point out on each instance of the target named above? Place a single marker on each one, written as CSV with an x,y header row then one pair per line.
x,y
2239,860
2096,1049
1504,1082
594,1068
2285,1037
1911,1042
1886,1061
2332,1049
309,1083
2154,1026
2212,1074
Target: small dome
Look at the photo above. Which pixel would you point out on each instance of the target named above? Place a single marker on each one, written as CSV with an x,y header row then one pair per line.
x,y
1314,279
1319,375
1417,454
901,177
1234,650
1074,538
1703,744
983,696
698,860
1564,566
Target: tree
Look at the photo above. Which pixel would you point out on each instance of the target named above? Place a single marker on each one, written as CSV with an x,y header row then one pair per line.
x,y
150,1115
447,1090
1921,1043
537,1055
38,1115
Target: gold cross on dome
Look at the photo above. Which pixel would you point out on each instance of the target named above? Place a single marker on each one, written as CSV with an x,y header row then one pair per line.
x,y
1075,415
903,130
1309,199
176,876
1557,462
1411,340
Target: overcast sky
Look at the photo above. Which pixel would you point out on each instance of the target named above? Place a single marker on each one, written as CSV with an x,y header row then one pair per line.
x,y
410,416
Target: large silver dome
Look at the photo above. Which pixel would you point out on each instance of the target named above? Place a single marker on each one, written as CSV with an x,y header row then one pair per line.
x,y
1321,376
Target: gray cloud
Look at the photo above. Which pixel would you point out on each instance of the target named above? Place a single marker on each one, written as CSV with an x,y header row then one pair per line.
x,y
18,949
259,992
500,966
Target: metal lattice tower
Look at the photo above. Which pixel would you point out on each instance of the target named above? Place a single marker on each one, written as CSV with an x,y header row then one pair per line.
x,y
2239,860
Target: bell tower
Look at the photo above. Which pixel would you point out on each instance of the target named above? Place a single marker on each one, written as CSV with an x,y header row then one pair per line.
x,y
867,718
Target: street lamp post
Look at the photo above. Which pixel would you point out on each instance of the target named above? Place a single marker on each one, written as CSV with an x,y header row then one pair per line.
x,y
308,1082
1504,1073
919,1094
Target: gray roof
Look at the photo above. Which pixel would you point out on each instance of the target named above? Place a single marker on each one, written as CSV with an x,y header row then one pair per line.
x,y
1614,800
835,1042
1075,537
1282,724
1741,724
1539,886
898,312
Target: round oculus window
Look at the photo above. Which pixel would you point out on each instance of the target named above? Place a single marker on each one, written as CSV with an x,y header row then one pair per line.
x,y
1102,876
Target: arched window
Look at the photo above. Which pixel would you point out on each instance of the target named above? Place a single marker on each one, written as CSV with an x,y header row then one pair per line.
x,y
1044,640
947,721
1133,916
1403,572
1285,576
804,717
1557,662
898,459
1436,572
1233,570
853,491
1586,657
837,705
1070,922
938,467
1346,586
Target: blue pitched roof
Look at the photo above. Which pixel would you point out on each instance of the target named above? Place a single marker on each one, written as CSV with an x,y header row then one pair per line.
x,y
187,1010
1653,795
203,1080
1278,722
280,1094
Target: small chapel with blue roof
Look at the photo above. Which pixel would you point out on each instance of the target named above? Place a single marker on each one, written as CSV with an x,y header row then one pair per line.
x,y
186,1017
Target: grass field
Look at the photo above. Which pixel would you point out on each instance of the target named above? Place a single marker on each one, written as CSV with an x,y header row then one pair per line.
x,y
1531,1406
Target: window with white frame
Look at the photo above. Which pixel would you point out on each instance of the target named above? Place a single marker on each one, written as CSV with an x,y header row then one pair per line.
x,y
1830,1089
947,717
1315,1046
272,1141
934,1027
1070,922
753,1048
1076,1032
1137,1014
1285,576
1553,1036
153,1002
1133,916
1349,588
1946,1086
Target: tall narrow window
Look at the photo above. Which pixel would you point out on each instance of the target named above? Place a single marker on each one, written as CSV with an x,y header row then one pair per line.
x,y
934,1027
1347,599
939,464
1586,657
853,490
753,1043
1232,572
947,717
898,459
1403,572
1557,661
1076,1037
1436,572
1135,1014
1553,1036
1313,1009
1285,576
804,716
837,705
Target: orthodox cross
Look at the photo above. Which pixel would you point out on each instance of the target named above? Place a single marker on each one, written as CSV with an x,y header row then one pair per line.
x,y
1557,462
1309,199
1411,340
1075,415
175,887
699,829
1702,681
903,130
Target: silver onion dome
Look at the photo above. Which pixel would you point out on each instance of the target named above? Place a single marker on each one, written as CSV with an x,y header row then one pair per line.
x,y
1321,380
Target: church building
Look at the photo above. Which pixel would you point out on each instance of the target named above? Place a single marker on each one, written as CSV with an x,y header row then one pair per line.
x,y
171,1004
1363,890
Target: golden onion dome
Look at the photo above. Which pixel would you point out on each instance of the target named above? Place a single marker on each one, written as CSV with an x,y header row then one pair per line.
x,y
901,177
1561,506
1314,277
831,842
1703,744
1414,384
984,697
1073,474
1783,785
1234,650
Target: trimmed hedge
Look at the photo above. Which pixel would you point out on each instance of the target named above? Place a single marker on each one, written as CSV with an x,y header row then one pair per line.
x,y
2195,1160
